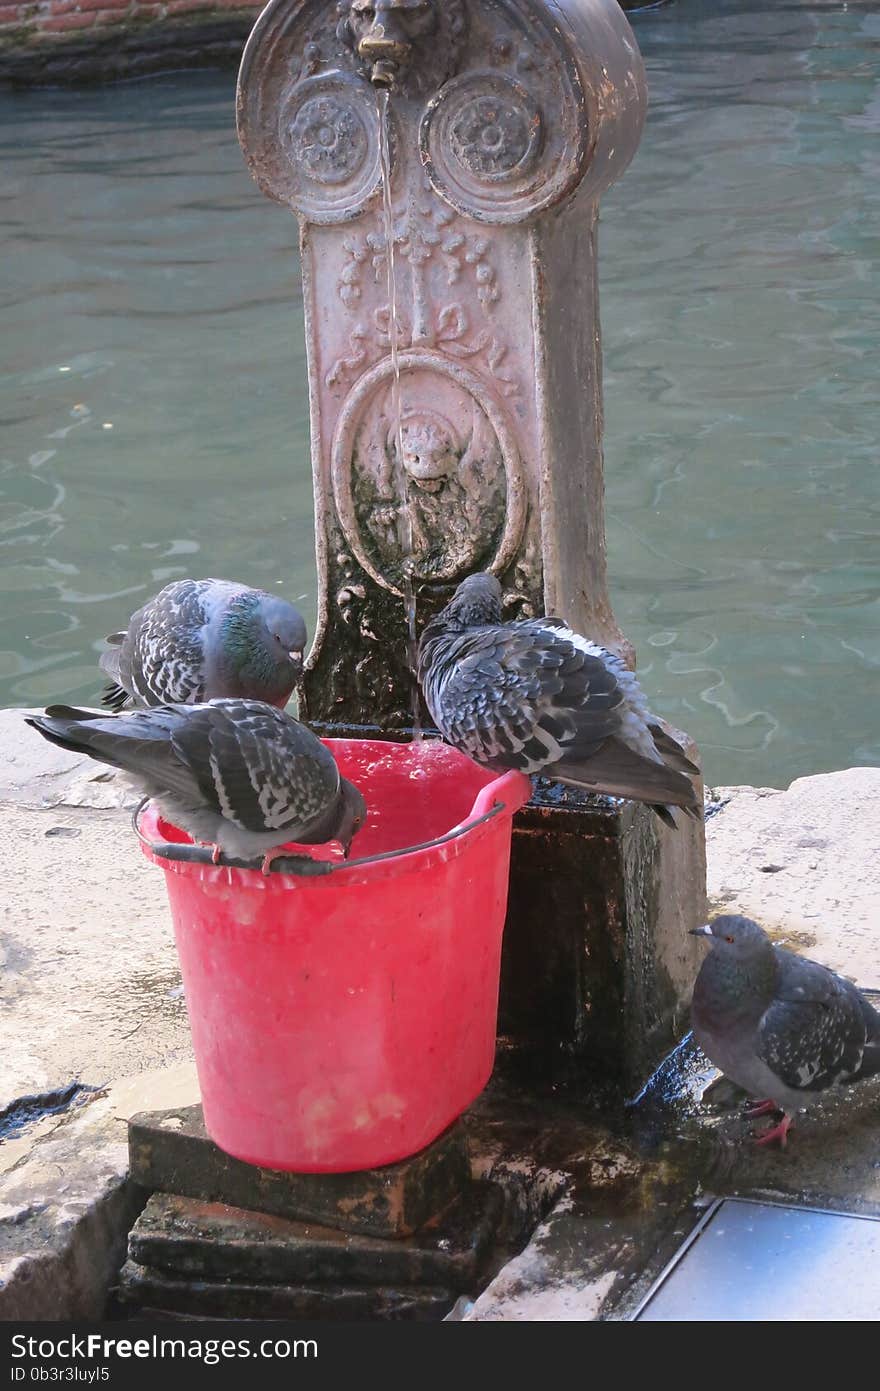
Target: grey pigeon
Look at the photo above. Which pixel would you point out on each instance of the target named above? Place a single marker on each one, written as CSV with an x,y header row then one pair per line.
x,y
200,640
239,774
535,696
782,1027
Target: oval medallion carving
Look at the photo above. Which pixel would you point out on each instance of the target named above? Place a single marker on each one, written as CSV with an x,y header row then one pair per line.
x,y
459,472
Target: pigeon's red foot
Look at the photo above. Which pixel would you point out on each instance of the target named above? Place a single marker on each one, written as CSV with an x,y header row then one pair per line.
x,y
778,1132
761,1108
266,866
215,855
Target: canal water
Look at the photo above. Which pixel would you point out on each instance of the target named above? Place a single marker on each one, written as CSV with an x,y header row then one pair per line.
x,y
154,404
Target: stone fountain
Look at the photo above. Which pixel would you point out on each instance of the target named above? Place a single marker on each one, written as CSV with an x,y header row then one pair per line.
x,y
504,122
507,121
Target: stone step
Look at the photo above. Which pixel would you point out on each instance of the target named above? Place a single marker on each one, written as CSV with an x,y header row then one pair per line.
x,y
185,1237
145,1291
171,1152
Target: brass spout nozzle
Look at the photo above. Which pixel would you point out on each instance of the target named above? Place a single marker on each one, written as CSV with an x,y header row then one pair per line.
x,y
383,73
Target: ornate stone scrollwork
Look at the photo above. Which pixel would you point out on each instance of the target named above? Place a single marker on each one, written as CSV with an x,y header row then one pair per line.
x,y
460,476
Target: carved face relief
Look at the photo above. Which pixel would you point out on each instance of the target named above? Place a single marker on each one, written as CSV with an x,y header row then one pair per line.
x,y
430,451
455,488
415,42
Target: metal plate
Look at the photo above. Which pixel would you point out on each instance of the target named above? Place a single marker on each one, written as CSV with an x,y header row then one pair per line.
x,y
766,1262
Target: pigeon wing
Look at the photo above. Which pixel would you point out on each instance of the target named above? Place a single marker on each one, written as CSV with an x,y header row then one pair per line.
x,y
163,660
522,696
813,1034
256,766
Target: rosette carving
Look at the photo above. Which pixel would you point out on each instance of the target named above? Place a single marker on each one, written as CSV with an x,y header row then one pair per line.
x,y
500,151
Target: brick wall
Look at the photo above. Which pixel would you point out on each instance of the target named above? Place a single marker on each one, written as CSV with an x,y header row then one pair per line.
x,y
76,41
35,18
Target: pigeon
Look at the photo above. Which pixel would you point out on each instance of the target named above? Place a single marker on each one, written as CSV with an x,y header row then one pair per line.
x,y
535,696
782,1027
199,640
238,774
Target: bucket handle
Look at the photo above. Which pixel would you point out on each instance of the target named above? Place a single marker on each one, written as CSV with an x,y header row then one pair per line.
x,y
189,853
512,790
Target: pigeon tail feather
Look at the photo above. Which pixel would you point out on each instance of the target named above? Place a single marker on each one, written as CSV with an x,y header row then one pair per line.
x,y
672,753
114,695
870,1060
619,772
109,661
61,725
138,744
114,698
871,1057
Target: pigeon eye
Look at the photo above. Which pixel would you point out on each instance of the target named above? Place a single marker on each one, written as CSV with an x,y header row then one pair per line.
x,y
729,939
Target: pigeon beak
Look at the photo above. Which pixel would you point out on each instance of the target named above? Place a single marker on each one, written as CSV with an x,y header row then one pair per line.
x,y
296,657
704,931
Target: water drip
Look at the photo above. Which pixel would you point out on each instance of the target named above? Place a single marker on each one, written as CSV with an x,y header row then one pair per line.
x,y
404,518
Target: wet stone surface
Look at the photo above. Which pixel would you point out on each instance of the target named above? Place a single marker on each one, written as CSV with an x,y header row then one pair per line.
x,y
597,961
632,1179
30,1110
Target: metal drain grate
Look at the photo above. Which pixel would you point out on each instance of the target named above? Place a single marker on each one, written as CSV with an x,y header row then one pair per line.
x,y
748,1260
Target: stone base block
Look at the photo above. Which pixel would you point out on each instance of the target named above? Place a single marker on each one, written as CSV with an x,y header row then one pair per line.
x,y
170,1151
183,1237
598,967
152,1293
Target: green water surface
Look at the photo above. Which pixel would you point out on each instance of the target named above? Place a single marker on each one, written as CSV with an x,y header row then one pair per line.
x,y
154,406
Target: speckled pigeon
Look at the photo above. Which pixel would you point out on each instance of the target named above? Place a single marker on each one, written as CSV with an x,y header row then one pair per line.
x,y
200,640
239,774
782,1027
535,696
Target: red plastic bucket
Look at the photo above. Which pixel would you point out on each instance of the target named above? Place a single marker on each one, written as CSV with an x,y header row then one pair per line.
x,y
342,1019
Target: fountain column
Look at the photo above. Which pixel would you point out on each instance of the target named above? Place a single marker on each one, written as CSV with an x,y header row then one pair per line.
x,y
507,120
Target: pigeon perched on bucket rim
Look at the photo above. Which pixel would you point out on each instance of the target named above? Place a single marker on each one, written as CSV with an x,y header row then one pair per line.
x,y
238,774
781,1026
533,695
201,640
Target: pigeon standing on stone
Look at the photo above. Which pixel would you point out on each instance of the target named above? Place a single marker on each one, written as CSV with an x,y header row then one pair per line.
x,y
782,1027
201,640
535,696
239,774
